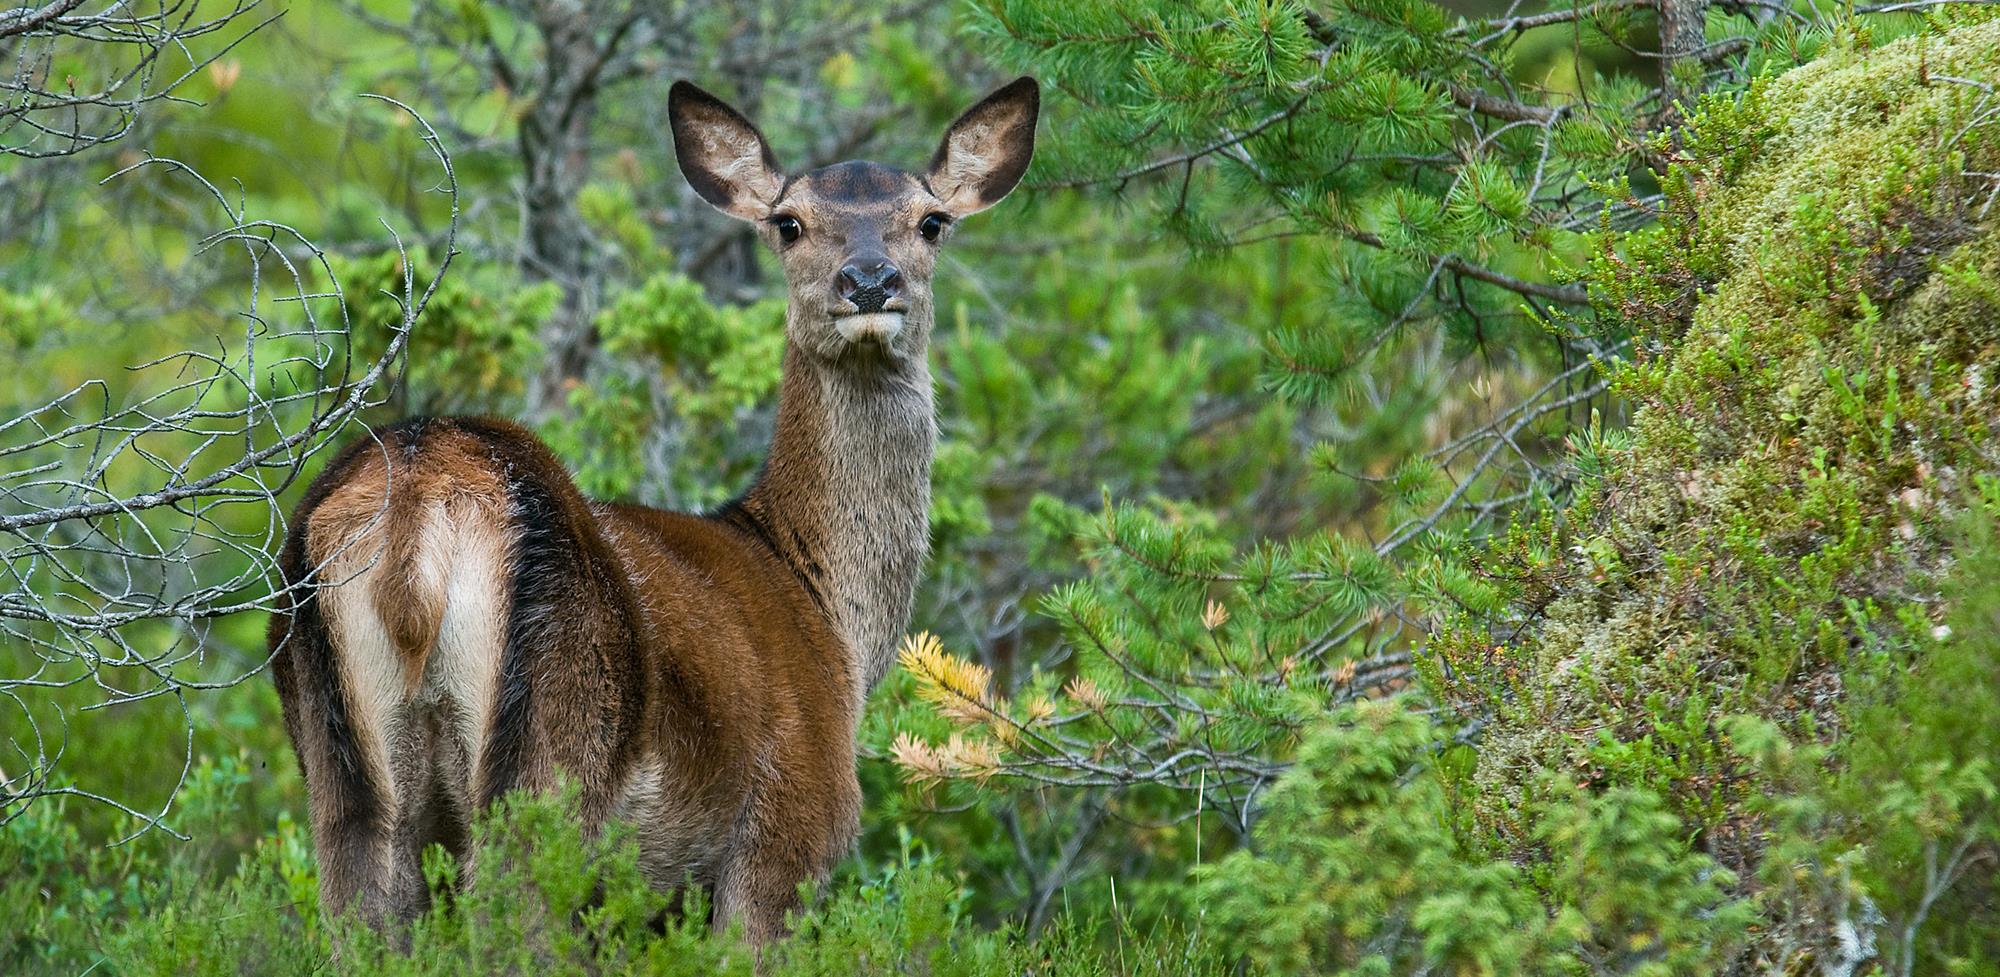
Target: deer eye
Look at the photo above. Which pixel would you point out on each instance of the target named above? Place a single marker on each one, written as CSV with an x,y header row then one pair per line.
x,y
932,225
788,227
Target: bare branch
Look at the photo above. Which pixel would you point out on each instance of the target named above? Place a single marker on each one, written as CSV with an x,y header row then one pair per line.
x,y
138,52
136,508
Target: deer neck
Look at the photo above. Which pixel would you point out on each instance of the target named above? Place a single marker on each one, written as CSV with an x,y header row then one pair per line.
x,y
844,496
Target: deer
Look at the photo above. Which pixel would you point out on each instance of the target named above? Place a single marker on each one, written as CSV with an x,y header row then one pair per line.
x,y
458,621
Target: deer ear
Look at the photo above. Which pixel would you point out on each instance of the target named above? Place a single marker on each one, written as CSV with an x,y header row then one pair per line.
x,y
985,152
721,154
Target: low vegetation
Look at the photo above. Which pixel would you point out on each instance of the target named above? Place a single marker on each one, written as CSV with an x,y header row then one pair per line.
x,y
1571,554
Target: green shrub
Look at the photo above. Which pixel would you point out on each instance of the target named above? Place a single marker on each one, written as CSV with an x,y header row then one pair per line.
x,y
546,901
1753,570
1359,867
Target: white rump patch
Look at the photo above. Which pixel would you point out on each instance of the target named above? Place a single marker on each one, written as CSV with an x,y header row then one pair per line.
x,y
371,669
464,552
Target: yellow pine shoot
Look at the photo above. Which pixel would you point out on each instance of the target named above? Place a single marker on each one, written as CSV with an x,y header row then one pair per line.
x,y
1037,710
957,758
1087,693
1214,615
972,758
959,689
920,763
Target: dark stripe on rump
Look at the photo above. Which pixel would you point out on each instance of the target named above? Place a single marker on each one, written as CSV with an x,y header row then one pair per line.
x,y
735,513
544,560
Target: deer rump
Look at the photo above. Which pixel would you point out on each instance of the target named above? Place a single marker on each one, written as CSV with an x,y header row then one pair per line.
x,y
460,622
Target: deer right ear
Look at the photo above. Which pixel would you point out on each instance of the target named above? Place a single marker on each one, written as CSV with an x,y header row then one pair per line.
x,y
721,154
985,152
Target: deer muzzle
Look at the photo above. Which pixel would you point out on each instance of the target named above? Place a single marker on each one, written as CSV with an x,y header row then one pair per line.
x,y
880,327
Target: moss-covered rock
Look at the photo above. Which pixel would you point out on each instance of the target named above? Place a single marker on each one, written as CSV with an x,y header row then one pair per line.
x,y
1815,328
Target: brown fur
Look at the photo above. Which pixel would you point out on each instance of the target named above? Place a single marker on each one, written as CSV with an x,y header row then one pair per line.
x,y
461,622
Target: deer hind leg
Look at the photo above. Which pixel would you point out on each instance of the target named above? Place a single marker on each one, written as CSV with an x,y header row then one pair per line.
x,y
466,554
568,680
799,827
760,884
348,799
355,788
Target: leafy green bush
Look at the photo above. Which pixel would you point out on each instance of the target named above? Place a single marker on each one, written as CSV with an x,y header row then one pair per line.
x,y
1895,825
1359,867
474,345
70,895
1756,562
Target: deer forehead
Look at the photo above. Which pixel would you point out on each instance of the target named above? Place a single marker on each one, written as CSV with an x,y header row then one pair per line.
x,y
855,193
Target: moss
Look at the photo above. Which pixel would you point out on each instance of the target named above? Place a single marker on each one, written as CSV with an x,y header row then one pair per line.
x,y
1814,326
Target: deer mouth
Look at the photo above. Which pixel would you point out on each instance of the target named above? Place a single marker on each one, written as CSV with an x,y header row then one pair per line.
x,y
876,327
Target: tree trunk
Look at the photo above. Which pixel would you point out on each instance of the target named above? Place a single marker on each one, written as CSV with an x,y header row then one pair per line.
x,y
556,244
1681,42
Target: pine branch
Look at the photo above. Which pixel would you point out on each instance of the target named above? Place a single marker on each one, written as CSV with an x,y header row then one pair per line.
x,y
1566,294
1228,140
1507,110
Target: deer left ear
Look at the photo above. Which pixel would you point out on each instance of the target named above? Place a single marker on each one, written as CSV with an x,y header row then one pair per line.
x,y
985,152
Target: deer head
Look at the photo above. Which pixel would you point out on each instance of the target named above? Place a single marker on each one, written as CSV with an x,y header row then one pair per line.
x,y
859,240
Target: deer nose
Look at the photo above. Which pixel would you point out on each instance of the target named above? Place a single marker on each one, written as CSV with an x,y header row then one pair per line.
x,y
869,282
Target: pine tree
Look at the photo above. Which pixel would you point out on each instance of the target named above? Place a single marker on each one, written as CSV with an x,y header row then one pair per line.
x,y
1557,237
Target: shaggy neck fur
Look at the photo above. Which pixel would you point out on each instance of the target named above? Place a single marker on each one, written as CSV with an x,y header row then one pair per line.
x,y
845,495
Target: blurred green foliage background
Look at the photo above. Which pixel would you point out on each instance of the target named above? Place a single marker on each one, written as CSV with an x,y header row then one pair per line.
x,y
1423,489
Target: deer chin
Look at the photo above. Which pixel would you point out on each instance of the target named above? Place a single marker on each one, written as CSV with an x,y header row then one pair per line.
x,y
878,327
